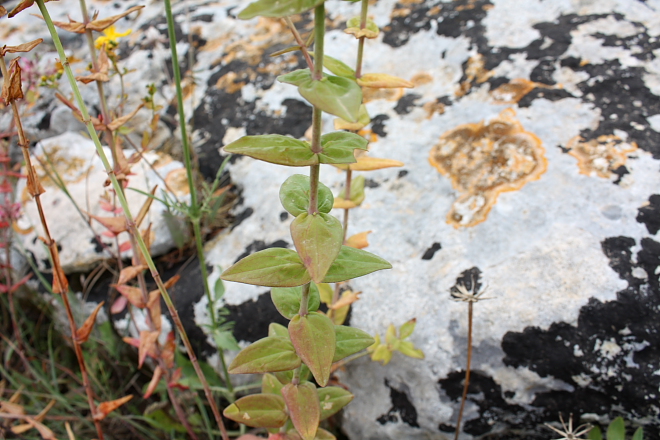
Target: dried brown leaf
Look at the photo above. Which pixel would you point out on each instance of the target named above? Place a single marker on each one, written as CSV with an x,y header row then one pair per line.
x,y
60,282
158,373
154,308
12,408
101,74
116,225
106,408
148,341
132,294
145,208
114,125
358,241
100,25
347,297
25,47
72,26
130,272
3,11
383,81
368,163
20,7
82,334
11,87
44,431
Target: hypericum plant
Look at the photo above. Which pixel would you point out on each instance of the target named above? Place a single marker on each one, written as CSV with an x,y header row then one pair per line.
x,y
615,431
312,342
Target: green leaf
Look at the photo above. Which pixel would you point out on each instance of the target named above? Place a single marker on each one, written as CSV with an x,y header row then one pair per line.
x,y
304,410
408,348
274,148
313,337
357,190
270,384
318,239
287,300
264,356
407,328
639,434
339,147
333,94
337,67
595,434
286,376
332,399
190,376
326,293
161,420
274,267
617,429
225,340
218,290
277,8
350,340
258,411
352,263
294,195
363,120
278,331
322,434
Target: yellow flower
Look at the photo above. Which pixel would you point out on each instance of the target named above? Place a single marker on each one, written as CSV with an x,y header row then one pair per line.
x,y
110,37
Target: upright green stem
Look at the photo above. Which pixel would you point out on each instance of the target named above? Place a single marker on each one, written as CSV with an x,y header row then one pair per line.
x,y
319,35
195,214
304,301
467,372
129,218
363,24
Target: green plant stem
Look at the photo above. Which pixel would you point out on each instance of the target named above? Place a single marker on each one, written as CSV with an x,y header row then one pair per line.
x,y
129,219
319,34
363,24
347,192
467,372
195,214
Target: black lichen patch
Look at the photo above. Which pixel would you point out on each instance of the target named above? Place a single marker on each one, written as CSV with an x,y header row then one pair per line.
x,y
243,215
487,395
259,245
611,357
401,407
253,317
402,173
98,246
406,103
650,214
470,279
283,216
378,125
430,252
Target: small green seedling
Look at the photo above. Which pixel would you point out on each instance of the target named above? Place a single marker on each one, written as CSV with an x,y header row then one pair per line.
x,y
616,431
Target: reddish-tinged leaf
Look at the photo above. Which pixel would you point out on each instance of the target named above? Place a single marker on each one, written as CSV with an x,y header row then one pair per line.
x,y
258,411
125,247
25,47
133,294
19,283
11,87
172,281
318,239
116,225
313,337
358,241
82,334
148,345
269,354
249,437
167,353
130,272
106,408
119,305
109,207
60,283
174,380
302,402
158,373
270,384
100,25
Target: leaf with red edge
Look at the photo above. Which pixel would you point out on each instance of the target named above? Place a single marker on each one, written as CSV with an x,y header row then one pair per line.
x,y
158,374
175,380
125,246
148,344
302,401
82,334
318,240
258,411
313,337
106,408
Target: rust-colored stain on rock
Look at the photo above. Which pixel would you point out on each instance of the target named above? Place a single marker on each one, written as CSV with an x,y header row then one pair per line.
x,y
483,160
600,156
